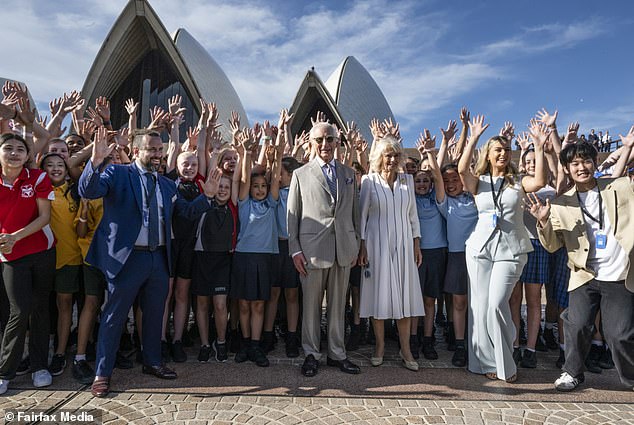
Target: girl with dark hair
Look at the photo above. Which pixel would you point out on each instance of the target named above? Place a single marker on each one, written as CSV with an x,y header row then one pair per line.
x,y
28,259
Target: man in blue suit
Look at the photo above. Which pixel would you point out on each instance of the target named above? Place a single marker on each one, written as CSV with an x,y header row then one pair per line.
x,y
131,247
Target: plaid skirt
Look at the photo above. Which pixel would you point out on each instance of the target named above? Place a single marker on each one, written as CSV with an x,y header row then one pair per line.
x,y
560,276
537,268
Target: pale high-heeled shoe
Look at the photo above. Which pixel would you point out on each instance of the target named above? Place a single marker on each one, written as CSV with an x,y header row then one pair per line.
x,y
410,365
376,361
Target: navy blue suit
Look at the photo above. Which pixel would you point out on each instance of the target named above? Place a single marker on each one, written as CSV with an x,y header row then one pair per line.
x,y
130,272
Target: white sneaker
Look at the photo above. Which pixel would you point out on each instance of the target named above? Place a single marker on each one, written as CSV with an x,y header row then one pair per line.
x,y
42,378
4,385
567,382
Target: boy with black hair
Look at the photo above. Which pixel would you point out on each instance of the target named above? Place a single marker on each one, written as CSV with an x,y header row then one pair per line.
x,y
594,221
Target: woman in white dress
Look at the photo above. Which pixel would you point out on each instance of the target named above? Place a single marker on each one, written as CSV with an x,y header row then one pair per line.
x,y
390,248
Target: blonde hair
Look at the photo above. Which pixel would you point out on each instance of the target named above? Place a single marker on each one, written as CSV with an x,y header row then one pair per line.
x,y
484,167
386,143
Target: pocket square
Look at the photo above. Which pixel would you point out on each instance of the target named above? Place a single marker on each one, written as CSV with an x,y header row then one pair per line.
x,y
349,180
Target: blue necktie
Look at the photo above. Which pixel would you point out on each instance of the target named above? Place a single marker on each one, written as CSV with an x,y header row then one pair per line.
x,y
152,204
331,180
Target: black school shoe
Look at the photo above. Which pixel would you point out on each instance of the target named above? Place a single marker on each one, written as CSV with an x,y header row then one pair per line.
x,y
204,353
178,353
517,355
292,345
549,339
529,359
459,358
414,346
257,355
592,361
606,362
82,372
220,351
561,359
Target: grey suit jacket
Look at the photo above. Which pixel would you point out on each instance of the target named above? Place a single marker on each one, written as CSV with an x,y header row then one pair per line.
x,y
324,230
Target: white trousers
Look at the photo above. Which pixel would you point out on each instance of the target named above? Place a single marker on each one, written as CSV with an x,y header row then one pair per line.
x,y
491,328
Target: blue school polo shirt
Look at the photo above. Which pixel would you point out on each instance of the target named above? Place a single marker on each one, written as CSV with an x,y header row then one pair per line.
x,y
461,215
258,226
433,232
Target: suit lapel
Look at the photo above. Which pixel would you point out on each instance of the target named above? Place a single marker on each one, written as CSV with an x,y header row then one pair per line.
x,y
319,175
136,185
166,195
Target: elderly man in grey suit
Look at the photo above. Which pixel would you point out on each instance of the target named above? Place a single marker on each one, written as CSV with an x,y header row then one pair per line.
x,y
323,221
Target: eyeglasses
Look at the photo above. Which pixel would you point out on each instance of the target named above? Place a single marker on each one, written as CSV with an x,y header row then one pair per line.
x,y
327,139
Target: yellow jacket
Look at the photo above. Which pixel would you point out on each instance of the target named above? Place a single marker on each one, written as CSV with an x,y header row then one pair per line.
x,y
566,227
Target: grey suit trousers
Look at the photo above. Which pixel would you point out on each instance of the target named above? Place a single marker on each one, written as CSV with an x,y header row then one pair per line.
x,y
334,281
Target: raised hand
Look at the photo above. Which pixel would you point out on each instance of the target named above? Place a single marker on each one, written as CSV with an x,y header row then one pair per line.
x,y
547,119
213,115
464,116
26,115
94,116
571,135
234,122
210,187
538,209
425,143
392,128
131,106
192,137
121,137
320,117
508,131
86,129
376,129
450,131
628,139
523,141
100,148
158,118
102,106
539,133
174,105
215,139
477,127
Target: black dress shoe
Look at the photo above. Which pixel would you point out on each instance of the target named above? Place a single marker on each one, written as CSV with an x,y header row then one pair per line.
x,y
100,386
310,366
344,365
161,371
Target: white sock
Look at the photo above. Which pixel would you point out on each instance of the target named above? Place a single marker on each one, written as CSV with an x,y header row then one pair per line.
x,y
532,350
549,325
597,342
79,357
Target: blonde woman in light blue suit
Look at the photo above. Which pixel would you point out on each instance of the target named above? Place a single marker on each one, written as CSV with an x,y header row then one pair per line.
x,y
497,249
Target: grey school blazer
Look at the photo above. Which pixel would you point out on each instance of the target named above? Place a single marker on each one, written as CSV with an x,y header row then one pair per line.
x,y
324,230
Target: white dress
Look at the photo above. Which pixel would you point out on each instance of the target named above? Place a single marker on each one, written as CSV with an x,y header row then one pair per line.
x,y
389,224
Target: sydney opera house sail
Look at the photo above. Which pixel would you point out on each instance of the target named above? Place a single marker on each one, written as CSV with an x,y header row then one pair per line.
x,y
140,60
312,97
357,95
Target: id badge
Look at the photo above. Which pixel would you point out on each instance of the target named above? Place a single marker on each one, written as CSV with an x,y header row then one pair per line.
x,y
494,220
601,240
146,219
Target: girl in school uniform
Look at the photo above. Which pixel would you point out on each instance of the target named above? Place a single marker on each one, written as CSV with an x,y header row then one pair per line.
x,y
215,241
433,243
189,183
257,242
68,263
285,275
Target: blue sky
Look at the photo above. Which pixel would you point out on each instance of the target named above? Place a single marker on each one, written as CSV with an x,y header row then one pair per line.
x,y
505,59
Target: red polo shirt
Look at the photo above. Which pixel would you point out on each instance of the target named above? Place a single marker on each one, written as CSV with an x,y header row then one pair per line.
x,y
18,207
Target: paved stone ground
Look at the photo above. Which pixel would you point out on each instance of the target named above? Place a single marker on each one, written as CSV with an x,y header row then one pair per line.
x,y
141,408
231,393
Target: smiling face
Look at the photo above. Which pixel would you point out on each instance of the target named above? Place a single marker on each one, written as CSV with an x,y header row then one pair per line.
x,y
187,165
151,152
228,161
259,187
499,155
13,154
75,144
390,161
55,167
324,139
452,182
422,183
224,190
411,166
581,171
